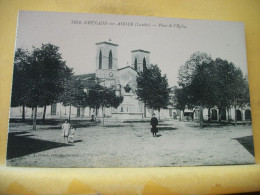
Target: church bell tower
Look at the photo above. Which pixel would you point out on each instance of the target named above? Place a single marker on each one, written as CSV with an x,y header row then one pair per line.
x,y
140,59
106,62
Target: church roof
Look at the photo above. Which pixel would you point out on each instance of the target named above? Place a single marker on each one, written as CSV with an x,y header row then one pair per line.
x,y
125,68
137,50
104,42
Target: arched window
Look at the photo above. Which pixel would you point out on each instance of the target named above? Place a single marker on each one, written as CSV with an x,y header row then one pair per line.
x,y
248,114
214,114
239,115
223,115
100,59
135,64
144,64
110,60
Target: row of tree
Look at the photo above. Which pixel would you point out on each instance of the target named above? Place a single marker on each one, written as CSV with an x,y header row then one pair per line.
x,y
41,78
207,83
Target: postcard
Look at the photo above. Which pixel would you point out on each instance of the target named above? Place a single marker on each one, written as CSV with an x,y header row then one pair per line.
x,y
93,90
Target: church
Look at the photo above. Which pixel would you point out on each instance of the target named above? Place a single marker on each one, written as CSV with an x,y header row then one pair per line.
x,y
110,74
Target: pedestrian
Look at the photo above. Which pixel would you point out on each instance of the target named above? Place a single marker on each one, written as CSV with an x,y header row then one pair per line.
x,y
72,134
65,130
92,118
154,123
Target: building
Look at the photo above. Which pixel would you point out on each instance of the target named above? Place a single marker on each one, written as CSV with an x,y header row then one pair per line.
x,y
243,115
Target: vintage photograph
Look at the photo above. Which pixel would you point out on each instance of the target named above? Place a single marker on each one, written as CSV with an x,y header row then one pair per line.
x,y
93,90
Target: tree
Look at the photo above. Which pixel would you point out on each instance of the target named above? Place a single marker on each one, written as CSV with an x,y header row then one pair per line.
x,y
100,97
187,70
225,74
152,88
189,77
54,72
180,99
44,74
19,78
239,91
203,87
211,83
73,94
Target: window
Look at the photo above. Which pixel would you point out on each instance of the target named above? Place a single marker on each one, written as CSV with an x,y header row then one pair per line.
x,y
100,60
239,115
223,115
53,109
78,112
144,64
214,114
135,64
110,60
248,114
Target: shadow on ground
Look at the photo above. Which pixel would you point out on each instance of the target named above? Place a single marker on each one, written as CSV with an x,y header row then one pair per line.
x,y
39,121
247,142
52,124
114,126
21,145
77,141
166,128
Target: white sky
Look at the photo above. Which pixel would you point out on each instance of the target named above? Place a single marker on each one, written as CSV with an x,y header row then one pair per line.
x,y
170,47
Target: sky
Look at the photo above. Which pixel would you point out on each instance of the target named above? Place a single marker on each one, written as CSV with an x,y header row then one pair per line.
x,y
171,41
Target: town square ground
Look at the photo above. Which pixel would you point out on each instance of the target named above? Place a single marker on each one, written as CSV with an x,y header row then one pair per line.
x,y
129,144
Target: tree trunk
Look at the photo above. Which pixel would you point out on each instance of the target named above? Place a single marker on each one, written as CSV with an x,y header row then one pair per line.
x,y
60,110
96,111
23,115
201,117
182,114
235,114
35,118
144,111
219,115
159,113
44,112
103,116
69,113
32,114
228,116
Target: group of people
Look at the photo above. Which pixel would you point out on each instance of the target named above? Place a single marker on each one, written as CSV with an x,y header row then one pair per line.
x,y
68,132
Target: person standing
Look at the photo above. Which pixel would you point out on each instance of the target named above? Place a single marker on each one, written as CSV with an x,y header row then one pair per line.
x,y
154,123
92,118
65,130
72,134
